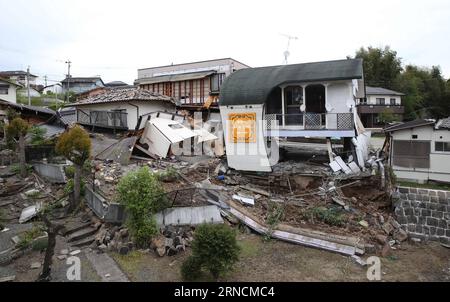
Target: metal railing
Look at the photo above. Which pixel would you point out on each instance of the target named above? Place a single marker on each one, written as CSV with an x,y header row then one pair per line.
x,y
311,121
109,119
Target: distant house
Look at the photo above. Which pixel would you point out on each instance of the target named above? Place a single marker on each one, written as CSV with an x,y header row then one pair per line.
x,y
192,85
117,84
121,109
8,90
420,150
92,92
55,89
378,101
32,114
81,84
19,77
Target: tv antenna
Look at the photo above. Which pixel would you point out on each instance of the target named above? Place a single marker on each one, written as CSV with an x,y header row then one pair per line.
x,y
287,53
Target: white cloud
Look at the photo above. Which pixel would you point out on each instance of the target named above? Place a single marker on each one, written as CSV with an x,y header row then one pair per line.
x,y
115,38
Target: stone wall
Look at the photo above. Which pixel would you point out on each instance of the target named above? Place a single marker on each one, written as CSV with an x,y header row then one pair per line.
x,y
424,213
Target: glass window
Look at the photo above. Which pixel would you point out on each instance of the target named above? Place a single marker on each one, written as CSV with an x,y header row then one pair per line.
x,y
380,101
216,81
392,101
293,95
442,146
4,89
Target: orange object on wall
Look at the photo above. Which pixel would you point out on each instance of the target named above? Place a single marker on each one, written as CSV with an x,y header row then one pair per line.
x,y
242,127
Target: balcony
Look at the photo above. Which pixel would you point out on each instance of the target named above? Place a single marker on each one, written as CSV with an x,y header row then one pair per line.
x,y
116,120
310,124
378,108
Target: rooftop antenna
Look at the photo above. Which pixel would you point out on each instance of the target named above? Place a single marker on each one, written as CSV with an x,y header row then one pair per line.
x,y
287,53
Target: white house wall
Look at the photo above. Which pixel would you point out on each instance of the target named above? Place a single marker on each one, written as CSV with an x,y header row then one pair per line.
x,y
439,161
246,156
372,99
11,96
132,111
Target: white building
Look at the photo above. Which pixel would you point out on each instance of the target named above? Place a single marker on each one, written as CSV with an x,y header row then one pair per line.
x,y
8,90
190,84
420,150
81,84
300,100
377,101
121,109
19,77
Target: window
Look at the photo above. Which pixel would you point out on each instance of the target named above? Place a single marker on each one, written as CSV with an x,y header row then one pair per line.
x,y
442,146
414,136
216,81
4,89
293,95
392,101
411,154
380,101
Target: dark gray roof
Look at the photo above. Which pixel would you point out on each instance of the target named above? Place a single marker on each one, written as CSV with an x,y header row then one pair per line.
x,y
11,73
409,125
175,77
253,85
124,95
443,123
82,80
116,84
35,109
67,115
381,91
10,82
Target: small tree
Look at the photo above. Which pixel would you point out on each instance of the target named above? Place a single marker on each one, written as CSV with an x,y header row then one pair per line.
x,y
142,195
214,248
75,145
19,127
387,116
37,135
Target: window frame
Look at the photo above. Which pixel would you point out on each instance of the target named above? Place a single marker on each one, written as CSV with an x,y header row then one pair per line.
x,y
392,101
380,101
290,102
444,145
5,87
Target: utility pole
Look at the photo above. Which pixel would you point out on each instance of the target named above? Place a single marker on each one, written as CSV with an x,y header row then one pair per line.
x,y
68,62
28,86
45,80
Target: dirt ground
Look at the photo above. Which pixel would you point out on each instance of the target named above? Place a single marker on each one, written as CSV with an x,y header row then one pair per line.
x,y
279,261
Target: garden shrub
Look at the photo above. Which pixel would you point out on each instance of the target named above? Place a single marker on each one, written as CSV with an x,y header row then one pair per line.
x,y
214,249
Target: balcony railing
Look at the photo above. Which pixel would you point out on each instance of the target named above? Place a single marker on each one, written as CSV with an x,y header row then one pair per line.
x,y
105,119
311,121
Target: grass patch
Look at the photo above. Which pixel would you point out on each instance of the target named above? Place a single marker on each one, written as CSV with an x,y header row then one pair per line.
x,y
248,248
432,186
329,216
26,238
130,263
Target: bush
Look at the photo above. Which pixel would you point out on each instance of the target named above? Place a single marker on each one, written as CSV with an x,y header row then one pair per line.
x,y
142,195
169,175
190,269
328,216
26,239
214,249
69,187
37,135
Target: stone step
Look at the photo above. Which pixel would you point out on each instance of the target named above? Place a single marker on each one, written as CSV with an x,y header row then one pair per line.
x,y
81,234
76,228
83,242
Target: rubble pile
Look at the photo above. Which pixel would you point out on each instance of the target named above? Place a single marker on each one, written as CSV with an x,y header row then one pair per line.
x,y
113,238
172,240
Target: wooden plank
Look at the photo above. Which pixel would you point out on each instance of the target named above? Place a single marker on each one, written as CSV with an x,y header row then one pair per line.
x,y
256,190
8,279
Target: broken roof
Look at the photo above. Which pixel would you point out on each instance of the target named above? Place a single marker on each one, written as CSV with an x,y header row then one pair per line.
x,y
443,123
10,82
381,91
124,95
253,85
175,77
409,125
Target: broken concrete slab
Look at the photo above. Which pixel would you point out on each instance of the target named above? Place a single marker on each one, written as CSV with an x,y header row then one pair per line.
x,y
343,165
354,167
29,212
244,200
335,166
52,172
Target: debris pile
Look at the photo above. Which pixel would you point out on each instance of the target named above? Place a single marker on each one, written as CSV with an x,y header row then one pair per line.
x,y
172,240
113,238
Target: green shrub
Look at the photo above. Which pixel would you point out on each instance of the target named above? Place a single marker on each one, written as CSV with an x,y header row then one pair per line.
x,y
27,237
16,168
142,195
68,188
37,135
328,216
69,171
190,269
214,249
168,175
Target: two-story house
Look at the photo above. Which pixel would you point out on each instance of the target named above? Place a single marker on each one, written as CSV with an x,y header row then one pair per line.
x,y
81,84
300,100
379,101
19,77
192,85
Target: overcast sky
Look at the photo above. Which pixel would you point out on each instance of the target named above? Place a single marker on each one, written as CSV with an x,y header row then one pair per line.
x,y
115,38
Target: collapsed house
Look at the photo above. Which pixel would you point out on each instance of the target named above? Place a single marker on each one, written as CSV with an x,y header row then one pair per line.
x,y
312,100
